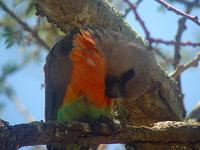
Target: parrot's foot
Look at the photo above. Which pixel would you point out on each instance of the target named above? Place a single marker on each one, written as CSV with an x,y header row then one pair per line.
x,y
104,125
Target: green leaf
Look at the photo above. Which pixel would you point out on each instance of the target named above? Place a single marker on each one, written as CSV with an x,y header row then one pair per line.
x,y
12,36
9,42
30,10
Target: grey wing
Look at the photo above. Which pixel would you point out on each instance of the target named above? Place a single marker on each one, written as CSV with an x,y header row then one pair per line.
x,y
57,75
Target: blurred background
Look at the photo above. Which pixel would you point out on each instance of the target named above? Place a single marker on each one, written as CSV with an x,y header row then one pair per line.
x,y
25,40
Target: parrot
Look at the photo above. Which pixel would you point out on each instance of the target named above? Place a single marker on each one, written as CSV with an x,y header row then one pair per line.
x,y
85,73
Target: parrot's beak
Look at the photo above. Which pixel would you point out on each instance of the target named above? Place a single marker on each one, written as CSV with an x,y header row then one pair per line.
x,y
115,86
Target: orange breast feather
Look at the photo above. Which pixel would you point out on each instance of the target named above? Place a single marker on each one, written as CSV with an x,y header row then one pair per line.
x,y
88,72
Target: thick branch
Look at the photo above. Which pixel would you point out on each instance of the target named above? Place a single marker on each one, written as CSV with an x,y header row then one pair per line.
x,y
37,133
77,13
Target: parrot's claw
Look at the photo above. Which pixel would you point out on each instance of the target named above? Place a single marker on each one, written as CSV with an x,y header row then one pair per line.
x,y
104,125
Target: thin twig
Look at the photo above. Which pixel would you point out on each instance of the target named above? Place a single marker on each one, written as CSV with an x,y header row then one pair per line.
x,y
24,25
21,108
139,19
172,42
186,2
181,29
129,9
179,12
138,2
181,68
151,40
177,47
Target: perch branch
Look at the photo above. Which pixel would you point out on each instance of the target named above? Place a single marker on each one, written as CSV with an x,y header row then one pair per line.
x,y
37,133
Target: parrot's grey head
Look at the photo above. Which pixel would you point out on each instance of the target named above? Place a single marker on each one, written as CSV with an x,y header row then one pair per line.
x,y
127,68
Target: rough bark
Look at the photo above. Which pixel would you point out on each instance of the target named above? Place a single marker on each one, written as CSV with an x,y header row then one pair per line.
x,y
185,135
67,14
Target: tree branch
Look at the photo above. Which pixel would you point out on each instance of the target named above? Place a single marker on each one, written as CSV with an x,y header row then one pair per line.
x,y
37,133
77,13
24,25
181,29
177,46
182,68
21,108
172,42
186,2
150,39
178,12
9,91
139,19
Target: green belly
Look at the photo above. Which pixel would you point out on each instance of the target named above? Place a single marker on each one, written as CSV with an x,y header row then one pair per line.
x,y
80,110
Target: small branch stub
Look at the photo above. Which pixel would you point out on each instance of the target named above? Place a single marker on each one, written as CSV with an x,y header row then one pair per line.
x,y
182,68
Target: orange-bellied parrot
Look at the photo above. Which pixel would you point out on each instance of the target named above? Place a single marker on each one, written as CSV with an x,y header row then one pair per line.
x,y
84,73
